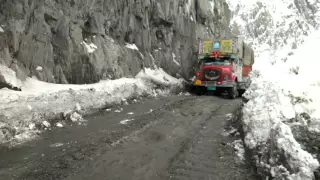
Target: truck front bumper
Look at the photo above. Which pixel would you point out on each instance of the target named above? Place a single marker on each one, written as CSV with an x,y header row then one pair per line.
x,y
212,84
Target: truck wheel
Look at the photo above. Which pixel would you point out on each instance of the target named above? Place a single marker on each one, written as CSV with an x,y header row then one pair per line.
x,y
233,92
241,92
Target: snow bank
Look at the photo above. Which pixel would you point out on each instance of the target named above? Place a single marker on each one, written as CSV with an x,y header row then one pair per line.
x,y
160,78
265,123
9,76
41,104
281,120
239,149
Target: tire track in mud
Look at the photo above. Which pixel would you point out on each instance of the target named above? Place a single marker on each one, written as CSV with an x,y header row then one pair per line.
x,y
186,145
147,153
207,156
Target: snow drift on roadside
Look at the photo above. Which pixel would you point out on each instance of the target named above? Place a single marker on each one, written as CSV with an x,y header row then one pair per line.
x,y
40,103
285,82
9,76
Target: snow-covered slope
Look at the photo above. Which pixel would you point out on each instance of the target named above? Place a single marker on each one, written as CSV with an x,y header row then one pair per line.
x,y
282,116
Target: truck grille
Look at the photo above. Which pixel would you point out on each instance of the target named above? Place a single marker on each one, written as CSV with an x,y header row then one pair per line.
x,y
212,74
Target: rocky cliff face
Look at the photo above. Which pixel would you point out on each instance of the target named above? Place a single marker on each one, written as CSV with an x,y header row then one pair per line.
x,y
84,41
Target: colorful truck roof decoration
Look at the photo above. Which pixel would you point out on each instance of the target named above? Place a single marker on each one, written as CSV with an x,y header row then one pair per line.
x,y
223,46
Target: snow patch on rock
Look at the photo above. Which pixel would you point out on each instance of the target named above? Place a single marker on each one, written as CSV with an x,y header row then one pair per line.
x,y
132,46
175,60
39,68
89,48
212,5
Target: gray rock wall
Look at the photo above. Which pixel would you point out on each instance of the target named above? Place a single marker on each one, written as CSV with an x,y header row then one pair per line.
x,y
46,39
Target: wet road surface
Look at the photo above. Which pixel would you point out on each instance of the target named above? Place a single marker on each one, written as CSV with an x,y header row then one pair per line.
x,y
177,137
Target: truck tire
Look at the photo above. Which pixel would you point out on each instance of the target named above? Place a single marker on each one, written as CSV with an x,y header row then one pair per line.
x,y
241,92
233,92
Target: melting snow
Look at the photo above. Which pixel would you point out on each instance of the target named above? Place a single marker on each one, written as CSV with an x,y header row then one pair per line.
x,y
118,110
76,117
46,124
187,94
239,148
59,125
56,145
126,121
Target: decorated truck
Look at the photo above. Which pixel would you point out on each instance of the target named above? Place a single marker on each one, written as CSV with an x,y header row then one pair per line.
x,y
223,66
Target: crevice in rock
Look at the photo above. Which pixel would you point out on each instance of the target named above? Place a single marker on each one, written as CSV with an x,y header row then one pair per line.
x,y
50,20
196,5
83,72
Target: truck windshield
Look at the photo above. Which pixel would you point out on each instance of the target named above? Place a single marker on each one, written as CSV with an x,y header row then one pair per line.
x,y
217,61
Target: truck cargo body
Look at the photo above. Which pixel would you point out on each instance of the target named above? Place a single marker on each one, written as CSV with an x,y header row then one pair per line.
x,y
233,46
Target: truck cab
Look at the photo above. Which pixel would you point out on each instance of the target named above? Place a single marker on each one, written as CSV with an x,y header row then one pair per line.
x,y
220,72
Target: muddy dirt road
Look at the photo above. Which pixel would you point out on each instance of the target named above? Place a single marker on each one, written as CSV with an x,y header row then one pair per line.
x,y
176,137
